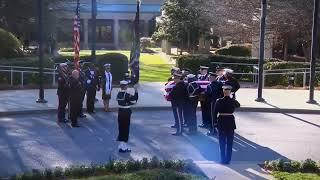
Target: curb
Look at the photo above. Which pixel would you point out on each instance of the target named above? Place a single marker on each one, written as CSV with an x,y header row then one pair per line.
x,y
168,108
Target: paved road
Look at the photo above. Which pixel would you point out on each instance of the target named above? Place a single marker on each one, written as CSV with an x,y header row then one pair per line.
x,y
36,141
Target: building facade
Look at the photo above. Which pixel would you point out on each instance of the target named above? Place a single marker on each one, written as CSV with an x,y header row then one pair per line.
x,y
114,24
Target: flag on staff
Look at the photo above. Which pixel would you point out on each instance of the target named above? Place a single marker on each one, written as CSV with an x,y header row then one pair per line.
x,y
76,36
135,50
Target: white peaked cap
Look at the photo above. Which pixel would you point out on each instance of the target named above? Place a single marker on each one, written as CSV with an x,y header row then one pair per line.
x,y
124,82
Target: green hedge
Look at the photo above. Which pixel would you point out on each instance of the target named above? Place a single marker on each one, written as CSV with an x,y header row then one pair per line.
x,y
236,50
119,63
194,61
283,165
9,45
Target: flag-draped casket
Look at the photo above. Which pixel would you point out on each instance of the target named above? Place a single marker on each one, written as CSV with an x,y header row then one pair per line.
x,y
168,88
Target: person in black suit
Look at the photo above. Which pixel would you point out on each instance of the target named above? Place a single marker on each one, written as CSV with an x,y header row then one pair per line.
x,y
92,86
194,91
82,79
75,97
231,81
62,92
223,111
205,106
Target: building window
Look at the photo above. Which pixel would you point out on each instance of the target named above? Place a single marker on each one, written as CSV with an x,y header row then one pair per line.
x,y
104,31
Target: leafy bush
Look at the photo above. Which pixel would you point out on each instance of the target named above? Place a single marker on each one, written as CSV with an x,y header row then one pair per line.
x,y
236,50
9,45
292,166
119,63
66,50
112,167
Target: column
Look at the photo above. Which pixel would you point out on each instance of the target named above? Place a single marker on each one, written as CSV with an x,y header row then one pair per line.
x,y
116,29
86,34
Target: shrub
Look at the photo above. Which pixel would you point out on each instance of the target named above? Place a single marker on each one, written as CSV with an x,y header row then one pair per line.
x,y
66,50
309,166
236,50
119,63
9,45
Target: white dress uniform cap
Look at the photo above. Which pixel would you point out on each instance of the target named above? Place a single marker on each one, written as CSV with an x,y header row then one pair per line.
x,y
191,76
227,87
107,65
124,82
204,67
228,71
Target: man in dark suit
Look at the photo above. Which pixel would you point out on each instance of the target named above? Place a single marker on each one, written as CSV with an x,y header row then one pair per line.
x,y
92,85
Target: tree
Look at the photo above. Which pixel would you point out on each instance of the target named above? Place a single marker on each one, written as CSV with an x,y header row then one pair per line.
x,y
179,23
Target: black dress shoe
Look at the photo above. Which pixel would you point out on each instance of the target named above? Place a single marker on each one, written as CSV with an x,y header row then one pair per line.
x,y
124,151
177,134
174,126
82,116
211,133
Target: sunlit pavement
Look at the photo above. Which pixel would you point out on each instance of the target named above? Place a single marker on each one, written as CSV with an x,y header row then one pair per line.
x,y
37,141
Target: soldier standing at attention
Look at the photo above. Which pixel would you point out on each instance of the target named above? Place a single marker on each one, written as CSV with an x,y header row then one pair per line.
x,y
220,73
205,107
193,90
223,111
125,100
106,84
75,98
214,92
179,98
62,92
92,87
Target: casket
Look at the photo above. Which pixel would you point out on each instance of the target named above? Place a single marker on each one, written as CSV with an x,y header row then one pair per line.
x,y
168,88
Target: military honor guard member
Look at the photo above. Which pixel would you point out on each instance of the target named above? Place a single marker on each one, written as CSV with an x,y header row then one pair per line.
x,y
213,92
170,83
92,87
106,83
63,91
179,97
220,74
194,91
75,98
223,111
205,107
231,81
125,101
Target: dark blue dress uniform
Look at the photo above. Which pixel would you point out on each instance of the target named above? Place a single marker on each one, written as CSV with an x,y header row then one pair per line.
x,y
194,91
214,92
63,98
125,100
179,98
82,79
92,85
205,106
75,100
234,84
224,109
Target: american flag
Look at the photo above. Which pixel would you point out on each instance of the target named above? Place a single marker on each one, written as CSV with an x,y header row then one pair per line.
x,y
76,36
135,50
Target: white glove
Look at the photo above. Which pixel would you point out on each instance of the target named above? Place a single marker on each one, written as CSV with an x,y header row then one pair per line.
x,y
88,81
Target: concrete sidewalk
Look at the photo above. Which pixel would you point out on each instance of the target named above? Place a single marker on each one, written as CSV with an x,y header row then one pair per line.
x,y
151,97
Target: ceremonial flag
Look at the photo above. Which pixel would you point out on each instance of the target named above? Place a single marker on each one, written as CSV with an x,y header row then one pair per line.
x,y
135,50
76,36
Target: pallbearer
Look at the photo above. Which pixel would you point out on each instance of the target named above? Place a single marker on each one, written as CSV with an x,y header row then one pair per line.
x,y
193,90
205,107
179,97
214,92
83,82
125,100
231,81
106,83
63,91
92,87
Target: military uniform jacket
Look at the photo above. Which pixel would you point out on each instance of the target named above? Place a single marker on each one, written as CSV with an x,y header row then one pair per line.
x,y
125,100
92,80
234,84
203,77
214,91
226,105
75,87
179,93
193,90
106,86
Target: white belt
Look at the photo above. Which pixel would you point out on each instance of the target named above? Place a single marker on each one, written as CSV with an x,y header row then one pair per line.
x,y
125,107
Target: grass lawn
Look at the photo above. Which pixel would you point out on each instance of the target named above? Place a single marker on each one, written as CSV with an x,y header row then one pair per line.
x,y
295,176
153,67
148,174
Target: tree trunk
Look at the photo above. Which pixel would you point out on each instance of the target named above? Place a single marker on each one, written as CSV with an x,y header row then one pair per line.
x,y
189,41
